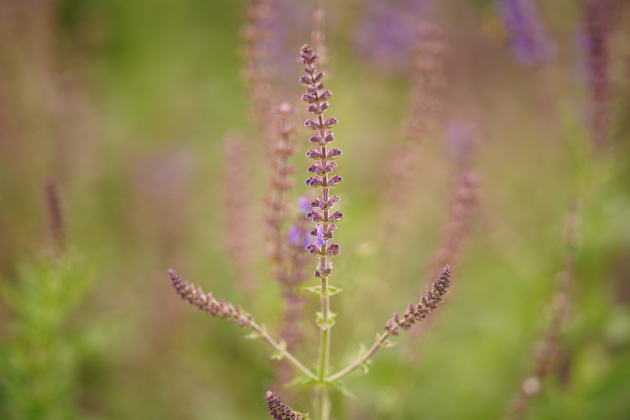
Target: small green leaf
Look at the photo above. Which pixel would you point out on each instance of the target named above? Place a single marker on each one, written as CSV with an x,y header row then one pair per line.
x,y
253,335
315,289
279,355
300,382
324,324
330,291
388,343
365,366
385,343
343,389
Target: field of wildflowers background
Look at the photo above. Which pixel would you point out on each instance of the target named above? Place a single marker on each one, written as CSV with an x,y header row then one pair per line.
x,y
128,147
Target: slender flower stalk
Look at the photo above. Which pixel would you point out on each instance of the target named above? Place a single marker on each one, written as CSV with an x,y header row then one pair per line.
x,y
456,230
237,215
258,34
462,140
321,208
297,274
226,310
428,83
597,26
280,411
414,314
425,103
280,251
279,184
548,350
318,37
56,225
457,227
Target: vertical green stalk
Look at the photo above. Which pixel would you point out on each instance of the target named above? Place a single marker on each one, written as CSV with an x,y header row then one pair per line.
x,y
324,337
322,403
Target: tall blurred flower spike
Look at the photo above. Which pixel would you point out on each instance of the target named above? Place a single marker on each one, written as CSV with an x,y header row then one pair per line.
x,y
530,44
54,212
424,111
258,34
428,83
237,210
297,272
598,16
462,141
279,185
318,37
280,411
549,348
284,250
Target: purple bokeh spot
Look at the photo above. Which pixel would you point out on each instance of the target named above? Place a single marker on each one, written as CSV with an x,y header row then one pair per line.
x,y
303,203
298,236
530,44
387,32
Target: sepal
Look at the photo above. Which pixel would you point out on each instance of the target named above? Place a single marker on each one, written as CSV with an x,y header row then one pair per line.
x,y
279,355
325,324
332,290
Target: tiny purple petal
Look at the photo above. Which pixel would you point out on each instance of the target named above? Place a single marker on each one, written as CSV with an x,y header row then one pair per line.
x,y
319,240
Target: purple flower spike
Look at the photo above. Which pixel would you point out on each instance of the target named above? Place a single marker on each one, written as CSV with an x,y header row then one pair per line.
x,y
322,166
530,44
280,411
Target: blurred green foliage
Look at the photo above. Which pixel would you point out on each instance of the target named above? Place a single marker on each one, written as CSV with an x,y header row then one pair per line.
x,y
128,102
40,362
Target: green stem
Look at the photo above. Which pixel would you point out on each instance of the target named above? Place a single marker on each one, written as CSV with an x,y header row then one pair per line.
x,y
286,354
322,402
324,347
361,361
325,403
324,341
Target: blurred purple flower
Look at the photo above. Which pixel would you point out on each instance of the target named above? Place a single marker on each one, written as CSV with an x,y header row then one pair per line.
x,y
530,44
294,235
304,204
298,236
386,34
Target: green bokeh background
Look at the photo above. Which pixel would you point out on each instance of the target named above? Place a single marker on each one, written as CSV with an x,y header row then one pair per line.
x,y
128,103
